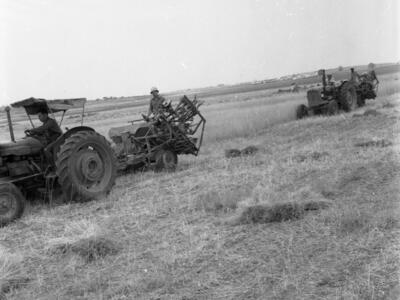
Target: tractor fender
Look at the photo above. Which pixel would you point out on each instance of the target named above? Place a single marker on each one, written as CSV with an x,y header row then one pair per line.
x,y
54,147
74,130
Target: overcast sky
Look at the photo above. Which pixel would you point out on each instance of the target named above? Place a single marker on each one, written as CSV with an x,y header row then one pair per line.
x,y
96,48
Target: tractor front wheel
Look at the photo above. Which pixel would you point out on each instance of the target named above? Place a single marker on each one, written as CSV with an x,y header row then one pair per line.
x,y
166,160
360,100
332,108
301,111
86,166
348,96
12,203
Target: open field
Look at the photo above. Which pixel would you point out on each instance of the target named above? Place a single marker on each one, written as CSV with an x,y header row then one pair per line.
x,y
180,235
257,109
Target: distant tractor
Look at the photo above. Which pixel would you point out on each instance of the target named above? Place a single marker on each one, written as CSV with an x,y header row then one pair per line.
x,y
155,143
332,97
80,161
329,99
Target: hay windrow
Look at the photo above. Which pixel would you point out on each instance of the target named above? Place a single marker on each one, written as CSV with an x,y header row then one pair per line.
x,y
89,249
279,212
247,151
374,143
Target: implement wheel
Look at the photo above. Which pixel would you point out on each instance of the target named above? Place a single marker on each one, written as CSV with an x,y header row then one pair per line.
x,y
166,160
12,203
86,166
348,96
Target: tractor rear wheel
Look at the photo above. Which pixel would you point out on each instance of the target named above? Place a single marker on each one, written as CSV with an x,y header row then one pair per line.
x,y
86,166
301,111
166,160
12,203
332,108
348,96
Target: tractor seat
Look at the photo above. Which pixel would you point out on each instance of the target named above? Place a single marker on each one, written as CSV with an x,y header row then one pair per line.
x,y
26,146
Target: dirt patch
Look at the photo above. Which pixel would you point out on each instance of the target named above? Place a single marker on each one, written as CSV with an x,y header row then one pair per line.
x,y
277,213
249,150
90,249
374,143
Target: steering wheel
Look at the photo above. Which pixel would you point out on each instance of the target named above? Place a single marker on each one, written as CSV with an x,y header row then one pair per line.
x,y
27,132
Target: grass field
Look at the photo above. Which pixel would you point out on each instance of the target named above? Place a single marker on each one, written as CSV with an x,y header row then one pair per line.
x,y
182,236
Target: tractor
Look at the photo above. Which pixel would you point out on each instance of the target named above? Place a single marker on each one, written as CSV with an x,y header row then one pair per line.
x,y
329,99
155,143
80,161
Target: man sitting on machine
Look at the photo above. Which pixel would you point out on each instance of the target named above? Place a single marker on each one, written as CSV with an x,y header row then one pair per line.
x,y
48,132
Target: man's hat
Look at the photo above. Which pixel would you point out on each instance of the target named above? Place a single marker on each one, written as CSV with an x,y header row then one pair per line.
x,y
153,89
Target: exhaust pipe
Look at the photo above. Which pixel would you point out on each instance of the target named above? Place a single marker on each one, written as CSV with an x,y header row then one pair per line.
x,y
10,127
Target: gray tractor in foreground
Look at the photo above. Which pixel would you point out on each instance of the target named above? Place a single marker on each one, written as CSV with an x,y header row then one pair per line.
x,y
80,162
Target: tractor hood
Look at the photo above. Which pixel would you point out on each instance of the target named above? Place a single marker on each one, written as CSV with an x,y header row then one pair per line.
x,y
34,105
26,146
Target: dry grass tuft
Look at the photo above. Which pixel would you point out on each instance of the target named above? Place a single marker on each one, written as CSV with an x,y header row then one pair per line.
x,y
374,143
230,153
11,272
249,150
85,239
315,155
90,249
279,212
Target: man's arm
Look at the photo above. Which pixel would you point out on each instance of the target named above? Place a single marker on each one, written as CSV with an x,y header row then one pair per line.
x,y
374,76
43,128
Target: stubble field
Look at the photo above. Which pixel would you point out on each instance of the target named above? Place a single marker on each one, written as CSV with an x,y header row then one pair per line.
x,y
188,234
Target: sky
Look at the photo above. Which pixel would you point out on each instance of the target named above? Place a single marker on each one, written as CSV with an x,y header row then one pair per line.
x,y
101,48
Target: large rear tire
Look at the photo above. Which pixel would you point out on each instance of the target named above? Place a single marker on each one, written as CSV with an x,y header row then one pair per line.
x,y
12,203
86,166
348,96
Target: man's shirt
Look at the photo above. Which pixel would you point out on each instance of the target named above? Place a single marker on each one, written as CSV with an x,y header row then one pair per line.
x,y
50,129
156,104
